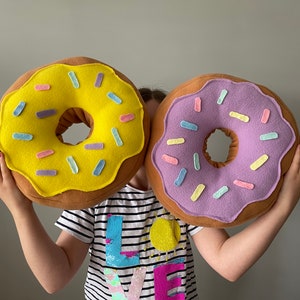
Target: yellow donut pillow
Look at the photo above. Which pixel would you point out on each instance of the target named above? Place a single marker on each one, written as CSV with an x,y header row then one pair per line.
x,y
43,103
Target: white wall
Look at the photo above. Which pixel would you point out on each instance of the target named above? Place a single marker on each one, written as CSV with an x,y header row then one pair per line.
x,y
160,44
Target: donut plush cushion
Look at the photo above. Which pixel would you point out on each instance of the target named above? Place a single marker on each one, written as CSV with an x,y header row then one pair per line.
x,y
204,192
43,103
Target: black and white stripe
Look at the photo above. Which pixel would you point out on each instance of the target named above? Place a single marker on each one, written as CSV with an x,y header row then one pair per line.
x,y
139,210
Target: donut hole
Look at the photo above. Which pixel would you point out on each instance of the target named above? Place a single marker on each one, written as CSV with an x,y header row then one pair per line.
x,y
220,147
74,126
76,133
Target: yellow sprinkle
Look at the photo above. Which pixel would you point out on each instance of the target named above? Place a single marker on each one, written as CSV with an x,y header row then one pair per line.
x,y
239,116
198,191
259,162
175,141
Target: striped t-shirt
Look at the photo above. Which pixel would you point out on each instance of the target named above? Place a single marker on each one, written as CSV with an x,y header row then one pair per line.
x,y
137,249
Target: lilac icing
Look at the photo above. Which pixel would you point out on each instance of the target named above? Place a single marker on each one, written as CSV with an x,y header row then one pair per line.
x,y
244,98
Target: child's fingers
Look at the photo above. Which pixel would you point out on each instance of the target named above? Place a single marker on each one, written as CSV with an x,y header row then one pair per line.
x,y
4,171
295,166
292,177
1,163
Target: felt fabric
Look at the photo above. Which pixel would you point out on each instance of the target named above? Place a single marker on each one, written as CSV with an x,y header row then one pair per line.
x,y
208,193
165,234
39,108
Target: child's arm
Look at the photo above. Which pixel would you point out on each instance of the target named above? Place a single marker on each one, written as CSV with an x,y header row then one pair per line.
x,y
233,256
52,264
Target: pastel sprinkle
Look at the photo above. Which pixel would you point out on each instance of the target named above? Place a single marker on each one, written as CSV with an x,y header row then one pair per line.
x,y
44,153
259,162
222,191
46,172
99,167
177,141
197,104
42,87
181,176
129,253
222,97
269,136
45,113
197,192
74,79
239,116
73,165
244,184
265,116
94,146
22,136
19,109
196,162
189,125
170,159
114,97
127,118
99,79
116,136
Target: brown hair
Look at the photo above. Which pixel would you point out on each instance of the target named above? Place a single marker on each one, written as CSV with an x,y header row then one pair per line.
x,y
156,94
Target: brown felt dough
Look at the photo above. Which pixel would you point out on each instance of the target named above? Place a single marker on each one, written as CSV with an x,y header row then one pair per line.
x,y
75,199
250,211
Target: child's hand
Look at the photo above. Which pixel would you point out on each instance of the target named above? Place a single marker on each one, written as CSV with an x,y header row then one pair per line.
x,y
290,191
9,192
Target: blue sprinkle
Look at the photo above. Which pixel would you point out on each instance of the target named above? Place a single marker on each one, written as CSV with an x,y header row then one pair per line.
x,y
19,109
189,125
222,97
197,166
114,98
72,164
99,167
116,136
223,190
181,176
74,79
269,136
22,136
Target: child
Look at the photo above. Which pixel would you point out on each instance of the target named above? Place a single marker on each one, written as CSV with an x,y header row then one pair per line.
x,y
137,249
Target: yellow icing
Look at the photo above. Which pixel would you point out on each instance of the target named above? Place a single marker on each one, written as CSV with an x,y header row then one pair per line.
x,y
67,92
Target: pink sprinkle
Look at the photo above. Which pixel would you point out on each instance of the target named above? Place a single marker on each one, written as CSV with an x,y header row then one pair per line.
x,y
170,159
265,116
129,253
42,87
127,118
44,153
243,184
107,241
197,104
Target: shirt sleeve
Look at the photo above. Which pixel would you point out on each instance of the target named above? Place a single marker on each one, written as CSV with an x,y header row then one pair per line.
x,y
193,229
79,223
